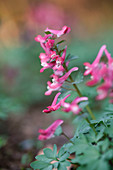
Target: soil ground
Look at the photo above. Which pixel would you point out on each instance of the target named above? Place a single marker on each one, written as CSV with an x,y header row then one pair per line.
x,y
22,144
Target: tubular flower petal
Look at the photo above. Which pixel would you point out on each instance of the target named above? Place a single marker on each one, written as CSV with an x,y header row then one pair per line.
x,y
58,82
73,107
90,67
55,106
49,132
64,30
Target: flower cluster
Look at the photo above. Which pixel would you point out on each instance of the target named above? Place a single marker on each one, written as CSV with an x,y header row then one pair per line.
x,y
100,70
55,60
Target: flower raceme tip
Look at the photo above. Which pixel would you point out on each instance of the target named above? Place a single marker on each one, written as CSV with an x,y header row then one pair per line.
x,y
49,132
61,32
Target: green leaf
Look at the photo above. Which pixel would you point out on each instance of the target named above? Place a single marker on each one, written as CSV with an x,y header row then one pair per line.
x,y
48,153
96,165
64,156
39,164
43,158
58,131
61,42
50,167
104,144
54,150
108,155
90,154
109,130
82,105
78,78
94,138
71,57
80,144
67,147
61,152
47,32
102,165
82,127
64,93
63,165
56,164
99,136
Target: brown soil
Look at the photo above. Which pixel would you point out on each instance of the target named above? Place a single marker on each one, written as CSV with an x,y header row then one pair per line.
x,y
22,138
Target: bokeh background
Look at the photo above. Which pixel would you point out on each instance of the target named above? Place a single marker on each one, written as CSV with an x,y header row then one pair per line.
x,y
22,86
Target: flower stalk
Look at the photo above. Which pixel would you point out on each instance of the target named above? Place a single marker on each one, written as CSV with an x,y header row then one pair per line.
x,y
79,93
67,138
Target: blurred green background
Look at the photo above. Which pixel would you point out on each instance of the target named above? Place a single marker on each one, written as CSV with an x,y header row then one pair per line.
x,y
22,86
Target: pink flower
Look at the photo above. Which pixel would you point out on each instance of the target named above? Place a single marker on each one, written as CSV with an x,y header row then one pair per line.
x,y
49,43
64,30
103,90
90,67
45,42
55,106
58,68
53,56
97,74
45,62
73,107
101,71
58,82
96,70
49,132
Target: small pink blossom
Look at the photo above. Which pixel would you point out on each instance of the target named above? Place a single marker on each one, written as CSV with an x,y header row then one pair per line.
x,y
64,30
90,67
55,106
45,62
97,69
45,42
97,74
49,132
49,43
58,68
103,90
58,82
73,107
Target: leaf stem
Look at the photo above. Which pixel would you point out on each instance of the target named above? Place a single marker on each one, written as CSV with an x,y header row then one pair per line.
x,y
79,93
91,126
68,88
67,137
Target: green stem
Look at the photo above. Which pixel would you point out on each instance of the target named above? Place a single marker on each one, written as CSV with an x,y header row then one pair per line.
x,y
91,125
68,88
79,93
67,137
